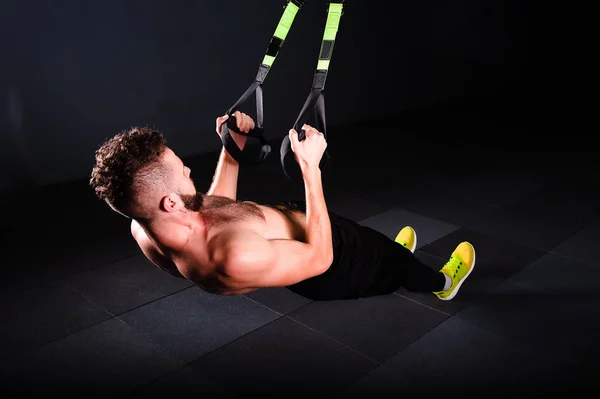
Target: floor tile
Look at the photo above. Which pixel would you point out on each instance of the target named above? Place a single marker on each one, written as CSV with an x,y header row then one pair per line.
x,y
39,315
90,255
420,184
353,207
377,326
557,274
284,358
526,228
18,277
184,381
498,187
191,323
583,245
392,221
109,358
383,381
493,255
278,299
546,218
553,322
126,284
459,351
447,208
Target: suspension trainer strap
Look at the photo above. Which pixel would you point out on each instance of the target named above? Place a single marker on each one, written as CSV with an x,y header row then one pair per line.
x,y
241,156
316,98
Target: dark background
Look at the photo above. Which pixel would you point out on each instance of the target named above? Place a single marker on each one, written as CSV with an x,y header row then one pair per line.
x,y
73,73
468,120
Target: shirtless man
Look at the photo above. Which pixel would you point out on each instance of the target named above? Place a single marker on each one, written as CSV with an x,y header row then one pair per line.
x,y
231,247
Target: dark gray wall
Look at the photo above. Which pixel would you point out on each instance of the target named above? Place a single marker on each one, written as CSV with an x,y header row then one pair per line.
x,y
74,72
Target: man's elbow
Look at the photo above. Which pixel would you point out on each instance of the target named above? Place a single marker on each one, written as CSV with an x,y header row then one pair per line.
x,y
327,256
323,263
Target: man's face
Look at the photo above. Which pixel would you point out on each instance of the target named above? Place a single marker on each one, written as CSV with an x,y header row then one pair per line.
x,y
181,178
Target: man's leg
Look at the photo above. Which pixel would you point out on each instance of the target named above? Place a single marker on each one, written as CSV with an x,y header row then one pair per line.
x,y
368,263
398,267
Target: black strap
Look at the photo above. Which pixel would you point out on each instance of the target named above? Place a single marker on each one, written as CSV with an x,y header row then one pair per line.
x,y
243,156
316,101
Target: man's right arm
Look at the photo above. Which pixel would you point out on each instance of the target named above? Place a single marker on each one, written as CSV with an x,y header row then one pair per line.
x,y
308,155
318,224
250,260
247,259
254,261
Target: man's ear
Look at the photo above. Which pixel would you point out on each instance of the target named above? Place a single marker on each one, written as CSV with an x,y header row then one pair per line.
x,y
171,203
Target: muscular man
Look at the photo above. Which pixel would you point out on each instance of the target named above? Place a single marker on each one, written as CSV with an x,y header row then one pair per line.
x,y
231,247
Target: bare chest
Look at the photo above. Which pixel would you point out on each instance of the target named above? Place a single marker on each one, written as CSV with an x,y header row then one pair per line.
x,y
199,265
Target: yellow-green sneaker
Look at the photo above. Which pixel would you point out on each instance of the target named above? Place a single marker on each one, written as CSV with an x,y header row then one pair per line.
x,y
407,238
458,268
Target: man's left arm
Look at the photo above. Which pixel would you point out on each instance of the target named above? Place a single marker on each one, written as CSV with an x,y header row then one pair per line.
x,y
225,180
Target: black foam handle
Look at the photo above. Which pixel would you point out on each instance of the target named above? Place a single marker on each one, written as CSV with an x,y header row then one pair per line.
x,y
230,145
301,135
290,164
232,126
316,102
235,151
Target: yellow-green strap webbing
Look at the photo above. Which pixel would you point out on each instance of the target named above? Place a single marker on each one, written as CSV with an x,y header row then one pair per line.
x,y
281,32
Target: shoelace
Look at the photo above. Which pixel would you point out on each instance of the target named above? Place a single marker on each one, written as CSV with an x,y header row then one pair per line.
x,y
453,265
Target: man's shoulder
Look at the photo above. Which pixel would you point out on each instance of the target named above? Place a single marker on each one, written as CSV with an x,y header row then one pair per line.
x,y
233,239
231,248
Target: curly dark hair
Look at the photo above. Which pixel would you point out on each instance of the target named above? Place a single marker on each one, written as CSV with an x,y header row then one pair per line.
x,y
125,164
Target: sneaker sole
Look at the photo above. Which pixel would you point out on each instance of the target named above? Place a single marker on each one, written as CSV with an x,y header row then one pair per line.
x,y
449,297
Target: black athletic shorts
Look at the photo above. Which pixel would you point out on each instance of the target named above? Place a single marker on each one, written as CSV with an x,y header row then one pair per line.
x,y
357,252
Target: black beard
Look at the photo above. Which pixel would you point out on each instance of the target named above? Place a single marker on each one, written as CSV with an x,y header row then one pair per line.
x,y
216,206
201,202
193,202
217,201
